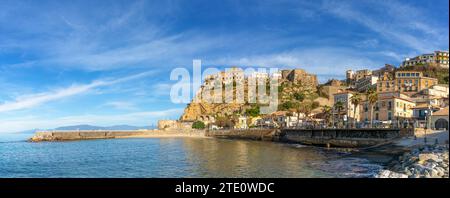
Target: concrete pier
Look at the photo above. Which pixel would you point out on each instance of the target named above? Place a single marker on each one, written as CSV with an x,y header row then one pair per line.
x,y
98,134
251,134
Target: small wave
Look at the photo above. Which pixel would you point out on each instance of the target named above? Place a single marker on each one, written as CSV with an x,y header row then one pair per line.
x,y
350,167
299,145
16,141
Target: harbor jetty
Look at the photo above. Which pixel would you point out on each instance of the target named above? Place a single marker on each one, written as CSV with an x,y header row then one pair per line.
x,y
69,135
249,134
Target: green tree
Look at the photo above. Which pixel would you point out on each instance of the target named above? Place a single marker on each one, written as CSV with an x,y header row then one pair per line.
x,y
253,112
355,100
198,125
339,106
288,105
372,97
299,96
326,114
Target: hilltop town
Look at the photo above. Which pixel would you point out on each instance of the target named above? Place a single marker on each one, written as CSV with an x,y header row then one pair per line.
x,y
413,94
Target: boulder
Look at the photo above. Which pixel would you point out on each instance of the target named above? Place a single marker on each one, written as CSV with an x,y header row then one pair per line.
x,y
427,156
391,174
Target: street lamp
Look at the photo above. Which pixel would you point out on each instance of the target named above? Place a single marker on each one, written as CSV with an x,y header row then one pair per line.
x,y
426,126
428,113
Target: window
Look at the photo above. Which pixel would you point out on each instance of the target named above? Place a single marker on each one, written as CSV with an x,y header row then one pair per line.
x,y
417,74
403,74
408,74
389,115
416,82
389,105
376,116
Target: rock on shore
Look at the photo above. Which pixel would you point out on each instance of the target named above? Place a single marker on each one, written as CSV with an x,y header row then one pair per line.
x,y
430,161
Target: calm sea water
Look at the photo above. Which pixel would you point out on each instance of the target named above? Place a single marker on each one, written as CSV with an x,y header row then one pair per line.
x,y
175,157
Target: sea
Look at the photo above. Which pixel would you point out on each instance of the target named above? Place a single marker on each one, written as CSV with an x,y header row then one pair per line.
x,y
179,158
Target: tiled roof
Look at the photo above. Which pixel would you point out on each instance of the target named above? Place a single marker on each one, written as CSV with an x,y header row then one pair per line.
x,y
442,112
423,105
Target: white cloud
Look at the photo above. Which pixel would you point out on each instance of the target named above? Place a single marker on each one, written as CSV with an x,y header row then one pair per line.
x,y
32,100
120,105
143,118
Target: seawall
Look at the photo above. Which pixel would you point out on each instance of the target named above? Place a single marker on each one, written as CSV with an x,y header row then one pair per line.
x,y
350,138
251,134
95,134
340,137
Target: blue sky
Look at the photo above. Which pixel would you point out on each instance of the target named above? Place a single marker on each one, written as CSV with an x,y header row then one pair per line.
x,y
109,62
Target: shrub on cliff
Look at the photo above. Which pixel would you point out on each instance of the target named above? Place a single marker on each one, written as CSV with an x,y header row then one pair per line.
x,y
253,112
198,125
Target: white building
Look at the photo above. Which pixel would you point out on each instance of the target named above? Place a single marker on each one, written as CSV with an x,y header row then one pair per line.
x,y
365,83
348,107
439,90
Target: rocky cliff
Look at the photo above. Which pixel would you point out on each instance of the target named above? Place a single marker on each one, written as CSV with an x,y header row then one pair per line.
x,y
292,81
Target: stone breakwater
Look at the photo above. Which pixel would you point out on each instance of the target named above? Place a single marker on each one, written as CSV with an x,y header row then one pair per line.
x,y
87,134
249,134
430,161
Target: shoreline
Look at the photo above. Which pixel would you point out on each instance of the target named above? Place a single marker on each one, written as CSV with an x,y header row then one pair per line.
x,y
420,159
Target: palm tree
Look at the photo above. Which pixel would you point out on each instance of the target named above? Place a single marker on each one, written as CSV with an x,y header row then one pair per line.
x,y
339,106
355,100
372,97
326,111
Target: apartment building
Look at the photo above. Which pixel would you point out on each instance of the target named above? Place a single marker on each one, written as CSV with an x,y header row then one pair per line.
x,y
366,83
405,81
355,76
389,108
438,58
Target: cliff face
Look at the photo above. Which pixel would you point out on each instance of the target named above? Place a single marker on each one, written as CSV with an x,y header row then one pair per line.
x,y
291,81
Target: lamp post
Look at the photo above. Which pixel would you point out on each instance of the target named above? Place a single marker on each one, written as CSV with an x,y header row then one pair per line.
x,y
428,113
426,126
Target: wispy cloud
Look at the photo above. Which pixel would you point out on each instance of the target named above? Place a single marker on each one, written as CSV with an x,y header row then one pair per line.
x,y
32,100
393,20
120,105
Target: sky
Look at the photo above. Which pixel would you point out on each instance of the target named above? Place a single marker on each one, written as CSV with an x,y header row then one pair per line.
x,y
109,62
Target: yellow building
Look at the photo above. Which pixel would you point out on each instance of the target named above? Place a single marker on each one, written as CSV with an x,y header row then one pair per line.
x,y
405,81
388,109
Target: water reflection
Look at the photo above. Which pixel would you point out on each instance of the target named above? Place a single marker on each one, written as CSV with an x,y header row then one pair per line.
x,y
238,158
175,157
